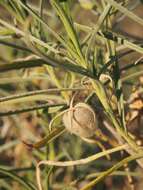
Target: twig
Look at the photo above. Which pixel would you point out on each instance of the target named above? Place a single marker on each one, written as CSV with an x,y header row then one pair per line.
x,y
30,108
76,162
36,92
121,141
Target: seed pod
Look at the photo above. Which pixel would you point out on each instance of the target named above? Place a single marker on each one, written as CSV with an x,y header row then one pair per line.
x,y
80,120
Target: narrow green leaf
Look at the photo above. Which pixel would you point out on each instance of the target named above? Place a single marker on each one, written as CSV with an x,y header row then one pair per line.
x,y
20,180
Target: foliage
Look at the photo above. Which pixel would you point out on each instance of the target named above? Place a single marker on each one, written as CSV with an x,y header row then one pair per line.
x,y
54,55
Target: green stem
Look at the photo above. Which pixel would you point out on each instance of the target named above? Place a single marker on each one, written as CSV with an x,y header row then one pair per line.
x,y
101,94
18,179
38,92
131,142
30,108
109,171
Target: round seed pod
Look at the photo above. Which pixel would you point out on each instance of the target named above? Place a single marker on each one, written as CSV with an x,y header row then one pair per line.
x,y
80,120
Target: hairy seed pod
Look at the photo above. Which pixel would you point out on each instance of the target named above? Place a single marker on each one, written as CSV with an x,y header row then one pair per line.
x,y
80,120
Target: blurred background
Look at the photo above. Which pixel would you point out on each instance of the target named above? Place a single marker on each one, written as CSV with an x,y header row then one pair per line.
x,y
31,126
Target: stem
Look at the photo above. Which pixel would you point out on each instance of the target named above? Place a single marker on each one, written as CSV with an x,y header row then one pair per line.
x,y
37,92
76,162
20,180
109,171
132,144
101,94
30,108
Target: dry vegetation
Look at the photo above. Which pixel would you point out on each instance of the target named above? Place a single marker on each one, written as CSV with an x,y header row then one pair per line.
x,y
71,95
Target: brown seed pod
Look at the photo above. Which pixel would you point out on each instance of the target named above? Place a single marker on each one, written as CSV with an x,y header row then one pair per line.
x,y
80,120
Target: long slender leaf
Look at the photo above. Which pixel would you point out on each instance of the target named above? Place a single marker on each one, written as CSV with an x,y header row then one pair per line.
x,y
20,180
